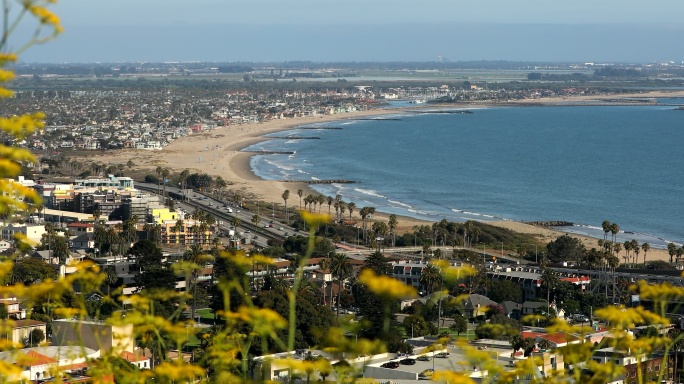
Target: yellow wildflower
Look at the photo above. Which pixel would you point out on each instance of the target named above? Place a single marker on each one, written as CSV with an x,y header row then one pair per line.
x,y
314,220
386,286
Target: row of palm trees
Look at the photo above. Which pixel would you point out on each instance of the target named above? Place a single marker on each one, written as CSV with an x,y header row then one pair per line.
x,y
116,238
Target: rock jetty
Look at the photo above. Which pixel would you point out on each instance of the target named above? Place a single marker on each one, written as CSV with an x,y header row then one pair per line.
x,y
337,181
271,152
550,223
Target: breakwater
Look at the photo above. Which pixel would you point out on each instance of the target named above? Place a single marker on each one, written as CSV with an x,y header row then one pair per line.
x,y
319,127
558,223
270,152
294,137
467,112
336,181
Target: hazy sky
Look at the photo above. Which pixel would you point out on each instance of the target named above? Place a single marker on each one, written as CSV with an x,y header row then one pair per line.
x,y
365,30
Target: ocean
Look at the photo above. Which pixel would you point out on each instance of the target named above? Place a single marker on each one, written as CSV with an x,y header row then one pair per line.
x,y
579,164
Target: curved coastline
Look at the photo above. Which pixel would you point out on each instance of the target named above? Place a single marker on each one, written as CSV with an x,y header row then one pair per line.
x,y
222,155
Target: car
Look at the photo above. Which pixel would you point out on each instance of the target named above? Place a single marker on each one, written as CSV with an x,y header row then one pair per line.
x,y
280,228
408,361
265,225
580,318
391,365
270,225
424,358
442,355
426,374
247,231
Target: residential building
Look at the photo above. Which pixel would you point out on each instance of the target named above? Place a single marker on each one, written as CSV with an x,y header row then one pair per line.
x,y
32,232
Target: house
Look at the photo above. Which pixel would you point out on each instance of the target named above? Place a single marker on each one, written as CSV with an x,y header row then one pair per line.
x,y
92,334
477,305
83,241
140,361
40,363
21,330
512,309
534,307
13,307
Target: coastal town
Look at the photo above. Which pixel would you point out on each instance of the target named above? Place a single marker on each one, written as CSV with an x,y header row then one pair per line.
x,y
126,211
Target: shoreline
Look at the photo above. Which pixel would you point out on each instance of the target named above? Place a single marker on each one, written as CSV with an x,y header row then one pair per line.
x,y
222,156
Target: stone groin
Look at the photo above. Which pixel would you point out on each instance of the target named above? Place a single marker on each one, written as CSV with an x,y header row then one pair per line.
x,y
338,181
271,152
376,119
319,128
467,112
294,137
559,223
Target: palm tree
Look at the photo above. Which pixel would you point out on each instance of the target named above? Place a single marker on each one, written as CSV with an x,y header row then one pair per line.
x,y
392,224
430,279
329,200
671,250
341,269
196,255
380,229
178,228
606,228
351,206
680,252
165,173
550,280
220,186
159,170
617,247
636,249
677,337
285,196
645,247
255,219
614,229
343,207
300,193
183,179
110,277
364,213
628,247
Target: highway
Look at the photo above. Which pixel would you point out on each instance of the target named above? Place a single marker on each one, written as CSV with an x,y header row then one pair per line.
x,y
217,209
194,199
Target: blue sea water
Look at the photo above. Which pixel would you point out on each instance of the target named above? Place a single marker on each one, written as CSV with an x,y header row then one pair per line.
x,y
580,164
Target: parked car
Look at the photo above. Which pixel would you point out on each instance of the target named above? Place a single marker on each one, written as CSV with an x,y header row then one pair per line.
x,y
426,374
424,358
580,318
408,361
442,355
390,364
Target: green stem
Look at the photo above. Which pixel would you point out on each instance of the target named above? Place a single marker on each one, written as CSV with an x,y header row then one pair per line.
x,y
292,294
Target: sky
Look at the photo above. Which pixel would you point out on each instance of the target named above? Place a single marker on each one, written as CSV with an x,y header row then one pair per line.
x,y
364,30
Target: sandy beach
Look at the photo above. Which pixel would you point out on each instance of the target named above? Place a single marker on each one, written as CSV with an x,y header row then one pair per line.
x,y
218,153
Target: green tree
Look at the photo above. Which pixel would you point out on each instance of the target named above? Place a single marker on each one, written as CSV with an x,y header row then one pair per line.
x,y
672,251
285,196
645,247
505,290
148,255
431,279
34,338
460,325
392,224
565,248
31,270
341,269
